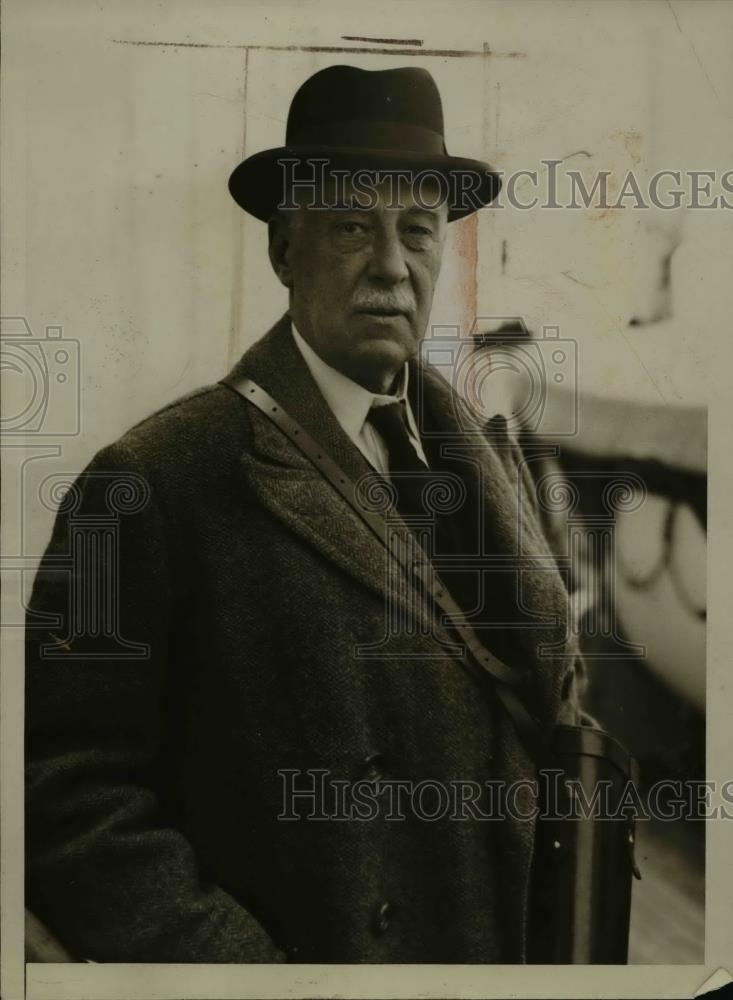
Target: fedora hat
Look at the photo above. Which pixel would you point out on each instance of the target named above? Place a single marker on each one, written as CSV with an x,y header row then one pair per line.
x,y
360,119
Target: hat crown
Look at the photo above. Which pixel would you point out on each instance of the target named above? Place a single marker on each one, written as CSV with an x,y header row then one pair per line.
x,y
407,96
364,121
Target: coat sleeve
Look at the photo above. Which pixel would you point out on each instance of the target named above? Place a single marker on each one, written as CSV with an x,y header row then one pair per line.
x,y
106,868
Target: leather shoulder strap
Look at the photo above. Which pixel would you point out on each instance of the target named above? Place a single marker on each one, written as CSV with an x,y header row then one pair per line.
x,y
415,563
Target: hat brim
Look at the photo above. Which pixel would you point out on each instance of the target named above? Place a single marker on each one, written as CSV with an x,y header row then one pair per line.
x,y
257,183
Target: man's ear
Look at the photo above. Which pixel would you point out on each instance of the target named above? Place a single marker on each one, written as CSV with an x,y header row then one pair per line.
x,y
278,231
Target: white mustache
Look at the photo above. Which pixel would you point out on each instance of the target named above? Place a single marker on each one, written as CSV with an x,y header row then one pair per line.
x,y
377,303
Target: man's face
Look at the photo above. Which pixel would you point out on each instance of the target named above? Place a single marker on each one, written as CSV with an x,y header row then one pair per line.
x,y
362,280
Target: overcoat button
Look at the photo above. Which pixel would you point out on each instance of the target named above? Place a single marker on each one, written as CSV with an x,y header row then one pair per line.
x,y
374,767
383,918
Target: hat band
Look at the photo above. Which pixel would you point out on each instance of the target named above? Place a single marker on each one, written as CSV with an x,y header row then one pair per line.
x,y
368,134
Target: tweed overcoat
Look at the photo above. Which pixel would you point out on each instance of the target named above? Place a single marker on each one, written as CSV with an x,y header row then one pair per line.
x,y
248,648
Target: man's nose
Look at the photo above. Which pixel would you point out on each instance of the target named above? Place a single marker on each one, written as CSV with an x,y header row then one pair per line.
x,y
387,261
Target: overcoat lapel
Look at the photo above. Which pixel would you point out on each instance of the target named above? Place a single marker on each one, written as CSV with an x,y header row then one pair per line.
x,y
514,536
292,489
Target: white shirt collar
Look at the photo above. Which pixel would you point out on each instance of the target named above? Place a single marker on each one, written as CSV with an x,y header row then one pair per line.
x,y
349,401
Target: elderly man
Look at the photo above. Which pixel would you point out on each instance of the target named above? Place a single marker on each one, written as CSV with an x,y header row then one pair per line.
x,y
188,768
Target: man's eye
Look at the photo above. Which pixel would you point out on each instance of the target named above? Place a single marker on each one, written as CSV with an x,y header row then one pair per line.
x,y
350,228
415,230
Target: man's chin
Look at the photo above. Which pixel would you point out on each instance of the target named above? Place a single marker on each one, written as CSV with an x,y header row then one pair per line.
x,y
386,352
392,336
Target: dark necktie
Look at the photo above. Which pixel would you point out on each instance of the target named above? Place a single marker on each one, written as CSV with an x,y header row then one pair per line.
x,y
450,535
407,473
455,533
